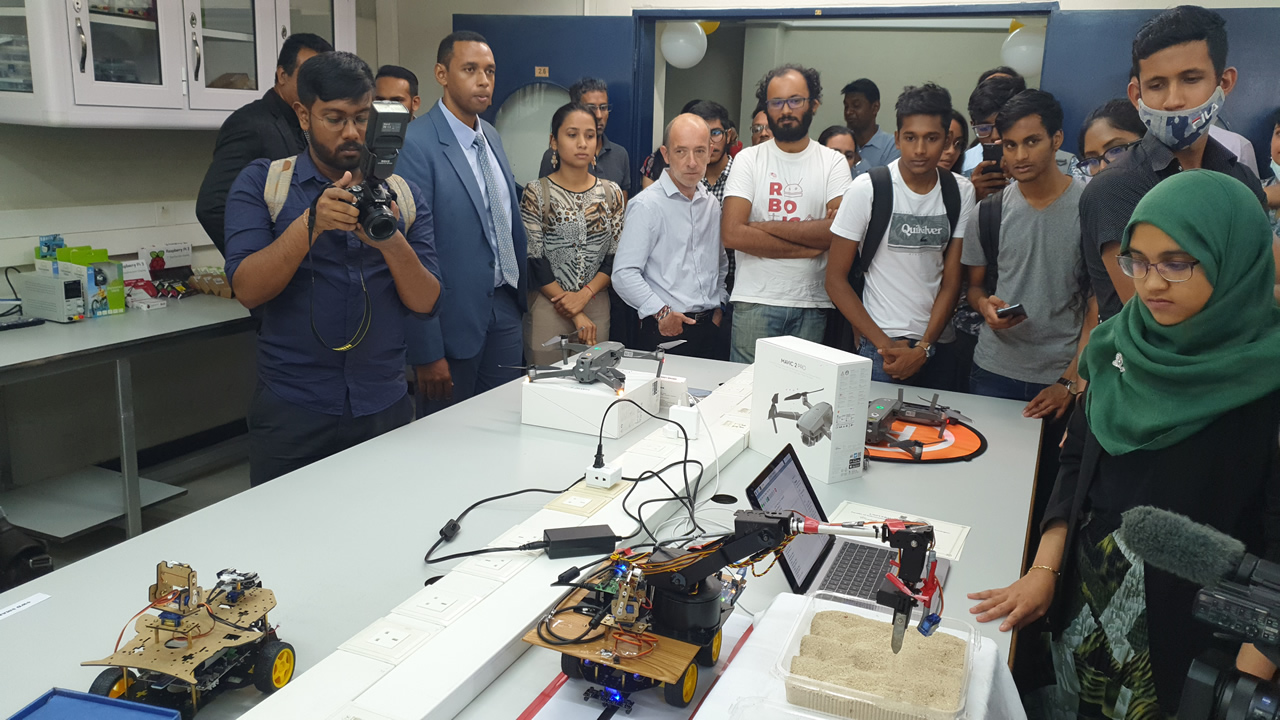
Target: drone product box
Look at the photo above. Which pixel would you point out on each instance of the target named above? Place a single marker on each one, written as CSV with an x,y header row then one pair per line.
x,y
566,404
813,398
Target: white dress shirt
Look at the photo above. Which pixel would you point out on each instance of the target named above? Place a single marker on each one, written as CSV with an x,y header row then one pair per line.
x,y
466,136
670,252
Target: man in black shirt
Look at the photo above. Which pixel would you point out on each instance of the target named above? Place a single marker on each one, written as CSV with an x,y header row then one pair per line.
x,y
266,128
612,162
1179,81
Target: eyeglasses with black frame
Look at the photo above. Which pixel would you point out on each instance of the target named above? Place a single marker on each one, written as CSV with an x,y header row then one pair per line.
x,y
795,103
1175,271
984,130
1092,166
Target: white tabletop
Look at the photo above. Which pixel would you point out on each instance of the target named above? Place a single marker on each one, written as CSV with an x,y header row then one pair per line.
x,y
55,341
341,542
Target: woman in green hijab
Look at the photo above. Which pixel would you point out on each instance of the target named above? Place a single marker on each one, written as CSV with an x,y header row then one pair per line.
x,y
1182,412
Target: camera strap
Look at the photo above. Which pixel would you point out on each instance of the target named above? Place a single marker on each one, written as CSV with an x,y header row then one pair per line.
x,y
366,320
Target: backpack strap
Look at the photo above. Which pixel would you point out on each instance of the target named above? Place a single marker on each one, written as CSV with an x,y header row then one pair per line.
x,y
404,200
276,191
950,199
881,215
989,216
545,185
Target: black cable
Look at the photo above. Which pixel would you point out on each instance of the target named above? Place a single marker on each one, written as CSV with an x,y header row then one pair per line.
x,y
366,316
683,433
451,528
17,309
536,545
685,500
545,623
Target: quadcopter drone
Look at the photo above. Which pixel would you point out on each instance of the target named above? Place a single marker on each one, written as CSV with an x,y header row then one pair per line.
x,y
595,363
814,424
882,413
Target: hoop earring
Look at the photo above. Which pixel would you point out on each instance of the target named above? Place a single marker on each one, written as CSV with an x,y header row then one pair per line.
x,y
555,159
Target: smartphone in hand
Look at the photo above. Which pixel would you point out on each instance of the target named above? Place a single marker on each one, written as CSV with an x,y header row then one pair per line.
x,y
1011,311
993,153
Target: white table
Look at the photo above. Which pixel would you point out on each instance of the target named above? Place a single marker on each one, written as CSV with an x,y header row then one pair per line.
x,y
341,542
64,507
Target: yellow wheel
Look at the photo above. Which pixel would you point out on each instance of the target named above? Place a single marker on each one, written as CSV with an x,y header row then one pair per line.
x,y
114,682
680,694
274,668
710,655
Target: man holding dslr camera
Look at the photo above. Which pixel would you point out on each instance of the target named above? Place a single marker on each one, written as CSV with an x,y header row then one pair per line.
x,y
333,297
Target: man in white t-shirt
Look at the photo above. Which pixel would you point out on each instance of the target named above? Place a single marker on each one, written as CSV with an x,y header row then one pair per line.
x,y
777,214
913,280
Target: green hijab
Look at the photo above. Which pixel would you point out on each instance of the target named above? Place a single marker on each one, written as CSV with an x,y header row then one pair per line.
x,y
1151,386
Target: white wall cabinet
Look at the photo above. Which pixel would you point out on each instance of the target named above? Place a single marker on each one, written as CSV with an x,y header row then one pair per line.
x,y
149,63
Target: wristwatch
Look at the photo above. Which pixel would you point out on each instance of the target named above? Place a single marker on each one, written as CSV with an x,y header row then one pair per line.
x,y
1070,385
928,348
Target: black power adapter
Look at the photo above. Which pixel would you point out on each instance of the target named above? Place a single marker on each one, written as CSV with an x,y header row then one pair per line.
x,y
577,541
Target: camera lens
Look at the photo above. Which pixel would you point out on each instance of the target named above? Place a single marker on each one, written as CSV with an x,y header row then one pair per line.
x,y
379,224
1244,697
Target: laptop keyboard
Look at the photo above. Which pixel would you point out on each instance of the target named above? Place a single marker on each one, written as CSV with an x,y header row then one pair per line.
x,y
858,570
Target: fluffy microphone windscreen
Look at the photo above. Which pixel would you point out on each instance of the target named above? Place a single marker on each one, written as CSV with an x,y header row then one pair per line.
x,y
1179,545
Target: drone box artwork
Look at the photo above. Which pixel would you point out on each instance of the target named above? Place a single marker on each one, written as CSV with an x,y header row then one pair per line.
x,y
566,404
814,398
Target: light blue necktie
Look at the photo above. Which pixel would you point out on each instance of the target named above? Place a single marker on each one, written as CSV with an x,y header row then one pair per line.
x,y
501,225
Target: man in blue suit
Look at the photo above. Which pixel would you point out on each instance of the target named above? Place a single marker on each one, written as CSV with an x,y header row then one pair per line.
x,y
457,160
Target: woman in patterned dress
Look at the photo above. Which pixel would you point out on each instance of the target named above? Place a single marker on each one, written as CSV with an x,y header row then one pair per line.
x,y
573,220
1182,413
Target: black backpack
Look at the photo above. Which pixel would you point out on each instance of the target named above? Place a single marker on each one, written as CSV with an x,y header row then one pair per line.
x,y
882,214
839,332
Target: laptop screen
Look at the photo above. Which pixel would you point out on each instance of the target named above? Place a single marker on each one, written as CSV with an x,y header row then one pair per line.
x,y
783,487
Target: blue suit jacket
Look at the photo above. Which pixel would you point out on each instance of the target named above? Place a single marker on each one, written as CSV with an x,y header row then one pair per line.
x,y
432,159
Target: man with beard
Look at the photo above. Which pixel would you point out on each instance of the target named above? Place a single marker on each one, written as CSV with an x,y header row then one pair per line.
x,y
777,214
331,349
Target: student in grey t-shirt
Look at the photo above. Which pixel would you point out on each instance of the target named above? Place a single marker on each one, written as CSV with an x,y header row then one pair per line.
x,y
1040,267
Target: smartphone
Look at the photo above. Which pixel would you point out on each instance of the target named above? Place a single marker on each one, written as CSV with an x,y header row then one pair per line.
x,y
1012,311
993,153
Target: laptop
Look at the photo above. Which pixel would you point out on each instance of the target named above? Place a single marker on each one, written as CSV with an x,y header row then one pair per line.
x,y
827,563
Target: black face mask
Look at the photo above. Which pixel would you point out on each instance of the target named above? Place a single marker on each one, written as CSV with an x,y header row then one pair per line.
x,y
791,133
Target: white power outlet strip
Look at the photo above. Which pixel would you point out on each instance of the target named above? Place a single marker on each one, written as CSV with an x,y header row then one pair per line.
x,y
604,477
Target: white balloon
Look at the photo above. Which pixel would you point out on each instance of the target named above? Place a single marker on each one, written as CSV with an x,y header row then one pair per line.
x,y
684,44
1023,51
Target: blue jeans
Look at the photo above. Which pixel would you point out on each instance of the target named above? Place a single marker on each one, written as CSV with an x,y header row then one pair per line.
x,y
937,373
752,321
983,382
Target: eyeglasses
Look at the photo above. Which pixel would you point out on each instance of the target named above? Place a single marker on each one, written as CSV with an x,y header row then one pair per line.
x,y
795,103
340,124
603,107
717,134
1092,166
984,129
1173,271
757,129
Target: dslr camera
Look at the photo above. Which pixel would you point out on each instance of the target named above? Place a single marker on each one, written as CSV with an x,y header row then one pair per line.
x,y
1244,607
383,138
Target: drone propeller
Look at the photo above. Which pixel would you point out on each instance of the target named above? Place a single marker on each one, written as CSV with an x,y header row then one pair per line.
x,y
773,413
674,343
567,337
526,368
799,395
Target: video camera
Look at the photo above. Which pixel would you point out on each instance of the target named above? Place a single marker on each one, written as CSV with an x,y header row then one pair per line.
x,y
1245,607
388,123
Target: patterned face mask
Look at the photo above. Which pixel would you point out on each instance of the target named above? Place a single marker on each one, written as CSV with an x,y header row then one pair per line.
x,y
1180,129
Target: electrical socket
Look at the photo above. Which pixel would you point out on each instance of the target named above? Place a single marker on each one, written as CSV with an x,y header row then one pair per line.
x,y
498,566
446,600
604,477
575,502
391,639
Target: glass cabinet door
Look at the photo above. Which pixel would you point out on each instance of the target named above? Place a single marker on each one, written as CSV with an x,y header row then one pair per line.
x,y
15,51
123,53
333,20
230,55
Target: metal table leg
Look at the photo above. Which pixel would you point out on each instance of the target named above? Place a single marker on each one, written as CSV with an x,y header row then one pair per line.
x,y
128,449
